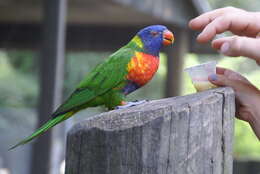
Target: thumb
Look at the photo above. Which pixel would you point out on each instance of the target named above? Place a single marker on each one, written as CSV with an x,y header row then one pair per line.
x,y
238,46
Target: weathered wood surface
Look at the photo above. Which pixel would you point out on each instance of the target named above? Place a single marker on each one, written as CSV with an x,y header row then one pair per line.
x,y
246,166
181,135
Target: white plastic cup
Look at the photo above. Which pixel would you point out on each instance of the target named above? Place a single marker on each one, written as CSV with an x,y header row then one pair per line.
x,y
199,75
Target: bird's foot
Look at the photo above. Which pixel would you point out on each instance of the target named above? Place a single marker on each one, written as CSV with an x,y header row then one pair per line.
x,y
131,104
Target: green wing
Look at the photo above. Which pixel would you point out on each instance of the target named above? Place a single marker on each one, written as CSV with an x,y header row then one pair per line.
x,y
101,79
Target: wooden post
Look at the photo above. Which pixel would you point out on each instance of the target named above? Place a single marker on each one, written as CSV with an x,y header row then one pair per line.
x,y
246,166
182,135
51,80
175,59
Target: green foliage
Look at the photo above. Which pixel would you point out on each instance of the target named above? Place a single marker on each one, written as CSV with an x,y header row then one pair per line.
x,y
187,87
252,5
23,61
246,144
18,88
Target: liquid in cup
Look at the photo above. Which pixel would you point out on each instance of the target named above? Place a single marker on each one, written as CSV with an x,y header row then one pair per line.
x,y
199,75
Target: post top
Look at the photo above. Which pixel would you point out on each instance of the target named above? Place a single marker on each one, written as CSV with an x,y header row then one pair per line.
x,y
141,114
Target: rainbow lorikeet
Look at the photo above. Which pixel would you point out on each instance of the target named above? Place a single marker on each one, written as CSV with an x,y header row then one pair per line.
x,y
128,69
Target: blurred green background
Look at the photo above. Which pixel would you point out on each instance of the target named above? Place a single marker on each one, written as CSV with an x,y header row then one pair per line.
x,y
19,80
19,73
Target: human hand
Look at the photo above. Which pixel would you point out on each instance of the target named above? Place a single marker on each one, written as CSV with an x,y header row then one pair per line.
x,y
247,96
244,24
238,21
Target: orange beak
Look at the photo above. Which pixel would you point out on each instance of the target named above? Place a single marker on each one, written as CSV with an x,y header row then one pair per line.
x,y
168,38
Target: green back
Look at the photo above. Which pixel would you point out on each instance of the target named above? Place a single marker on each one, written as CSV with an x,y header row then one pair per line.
x,y
101,79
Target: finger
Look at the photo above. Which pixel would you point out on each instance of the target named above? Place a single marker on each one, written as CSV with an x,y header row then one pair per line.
x,y
239,46
201,21
229,22
221,80
220,70
226,72
242,25
231,74
258,35
217,26
217,43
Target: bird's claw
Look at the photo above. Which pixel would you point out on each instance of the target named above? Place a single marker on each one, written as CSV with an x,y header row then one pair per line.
x,y
131,104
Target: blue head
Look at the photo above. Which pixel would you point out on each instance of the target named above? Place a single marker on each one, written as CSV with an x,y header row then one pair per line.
x,y
154,37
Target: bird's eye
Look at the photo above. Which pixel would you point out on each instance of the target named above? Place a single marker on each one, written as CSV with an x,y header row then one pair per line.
x,y
154,33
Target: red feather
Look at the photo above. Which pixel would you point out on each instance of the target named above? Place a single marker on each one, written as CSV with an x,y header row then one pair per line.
x,y
142,68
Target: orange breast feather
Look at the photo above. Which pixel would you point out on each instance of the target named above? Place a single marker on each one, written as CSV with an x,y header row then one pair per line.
x,y
142,68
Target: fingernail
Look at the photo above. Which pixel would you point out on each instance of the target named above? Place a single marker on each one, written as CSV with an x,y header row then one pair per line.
x,y
224,48
213,77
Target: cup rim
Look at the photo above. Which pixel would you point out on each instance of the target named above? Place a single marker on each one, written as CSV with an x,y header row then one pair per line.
x,y
200,65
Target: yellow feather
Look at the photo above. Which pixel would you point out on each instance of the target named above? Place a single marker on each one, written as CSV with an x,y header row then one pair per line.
x,y
138,41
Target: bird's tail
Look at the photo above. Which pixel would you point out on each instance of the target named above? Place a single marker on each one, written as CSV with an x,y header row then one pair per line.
x,y
44,128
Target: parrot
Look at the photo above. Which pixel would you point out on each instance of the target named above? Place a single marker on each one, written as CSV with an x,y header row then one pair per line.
x,y
108,84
